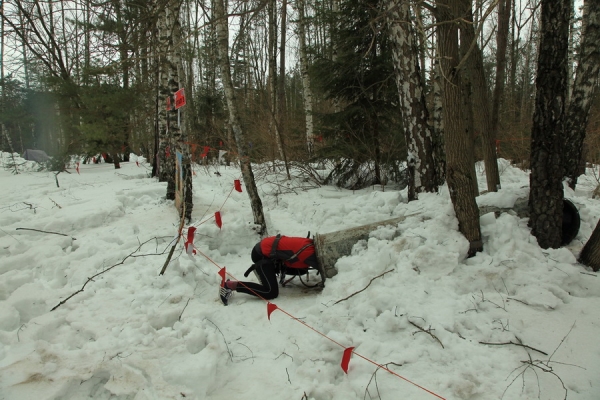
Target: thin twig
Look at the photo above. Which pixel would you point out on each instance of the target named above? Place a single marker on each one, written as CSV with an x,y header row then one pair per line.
x,y
427,331
8,234
98,274
561,342
55,203
37,230
374,378
224,340
516,344
181,223
363,289
186,304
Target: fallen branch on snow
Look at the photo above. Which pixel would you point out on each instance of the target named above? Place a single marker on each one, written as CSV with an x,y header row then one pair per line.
x,y
427,331
37,230
363,289
132,255
516,344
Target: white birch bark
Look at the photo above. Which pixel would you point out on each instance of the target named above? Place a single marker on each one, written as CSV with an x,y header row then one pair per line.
x,y
234,120
414,113
584,90
306,89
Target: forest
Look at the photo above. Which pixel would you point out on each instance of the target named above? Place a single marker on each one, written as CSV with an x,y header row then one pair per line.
x,y
405,92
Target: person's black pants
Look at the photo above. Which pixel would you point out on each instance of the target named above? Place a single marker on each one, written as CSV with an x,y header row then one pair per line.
x,y
268,288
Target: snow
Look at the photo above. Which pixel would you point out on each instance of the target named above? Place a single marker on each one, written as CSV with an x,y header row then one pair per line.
x,y
423,315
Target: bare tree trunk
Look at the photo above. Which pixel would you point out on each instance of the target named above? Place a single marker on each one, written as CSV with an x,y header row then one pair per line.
x,y
571,50
480,97
272,61
584,90
458,139
413,108
3,133
504,7
179,136
439,152
164,160
590,254
526,104
306,89
547,141
234,120
281,90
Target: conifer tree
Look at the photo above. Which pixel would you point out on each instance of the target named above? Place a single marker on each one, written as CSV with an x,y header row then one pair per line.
x,y
359,81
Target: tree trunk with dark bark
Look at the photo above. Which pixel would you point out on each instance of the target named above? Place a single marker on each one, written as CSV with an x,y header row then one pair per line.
x,y
480,101
590,254
458,139
504,7
547,141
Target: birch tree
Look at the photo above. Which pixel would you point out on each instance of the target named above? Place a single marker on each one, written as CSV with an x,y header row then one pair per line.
x,y
221,20
418,133
281,102
306,89
584,90
165,167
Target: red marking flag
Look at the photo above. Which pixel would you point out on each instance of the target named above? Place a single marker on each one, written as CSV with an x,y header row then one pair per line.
x,y
218,219
77,168
189,244
179,98
237,185
346,358
223,274
270,308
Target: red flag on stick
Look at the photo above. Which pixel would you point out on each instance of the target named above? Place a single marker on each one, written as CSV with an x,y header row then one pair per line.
x,y
237,185
270,308
346,358
77,168
218,219
189,244
223,274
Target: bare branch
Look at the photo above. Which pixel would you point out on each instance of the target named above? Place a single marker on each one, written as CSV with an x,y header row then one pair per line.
x,y
355,293
101,272
37,230
516,344
427,331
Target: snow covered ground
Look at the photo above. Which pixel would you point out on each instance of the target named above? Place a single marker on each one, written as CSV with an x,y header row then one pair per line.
x,y
133,334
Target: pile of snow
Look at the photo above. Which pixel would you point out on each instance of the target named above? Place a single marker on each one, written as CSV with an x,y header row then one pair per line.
x,y
425,314
14,163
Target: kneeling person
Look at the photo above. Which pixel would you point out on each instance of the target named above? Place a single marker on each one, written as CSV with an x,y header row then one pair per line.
x,y
291,253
